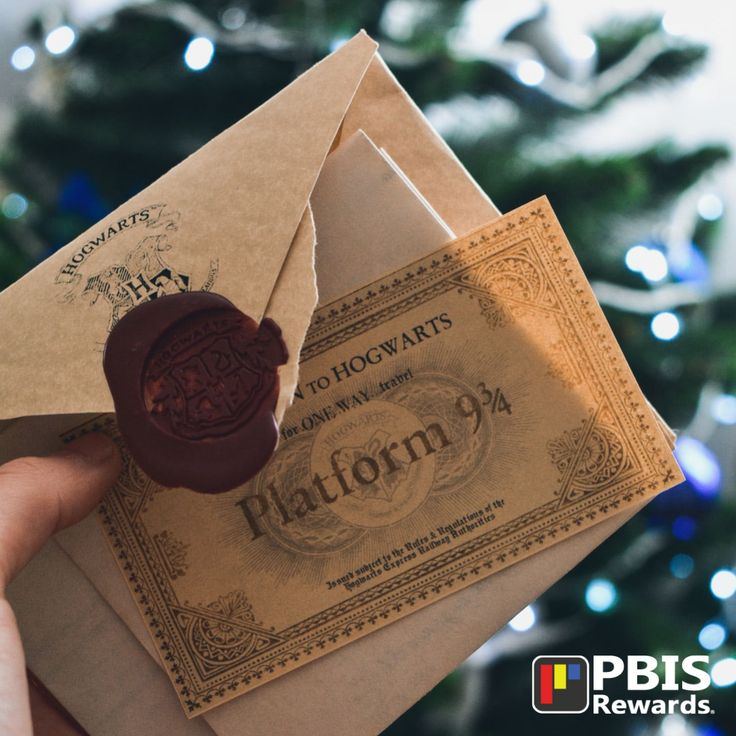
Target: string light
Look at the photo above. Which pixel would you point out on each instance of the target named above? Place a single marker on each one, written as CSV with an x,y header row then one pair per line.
x,y
600,595
723,672
681,566
60,40
665,326
710,207
723,409
723,584
700,465
232,18
14,206
22,58
711,636
198,53
524,620
530,72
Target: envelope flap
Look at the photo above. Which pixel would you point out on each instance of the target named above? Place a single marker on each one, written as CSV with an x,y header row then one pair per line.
x,y
224,219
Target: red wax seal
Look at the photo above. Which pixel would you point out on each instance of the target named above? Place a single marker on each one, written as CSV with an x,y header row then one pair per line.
x,y
195,385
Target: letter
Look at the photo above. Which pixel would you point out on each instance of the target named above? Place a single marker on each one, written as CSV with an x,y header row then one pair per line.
x,y
306,505
252,518
618,707
337,372
670,671
689,706
432,322
77,258
372,464
339,474
122,223
641,666
446,321
600,703
388,458
436,427
285,518
658,707
320,486
406,341
69,269
374,355
142,284
144,214
420,333
87,248
389,346
298,393
704,707
689,668
600,673
638,706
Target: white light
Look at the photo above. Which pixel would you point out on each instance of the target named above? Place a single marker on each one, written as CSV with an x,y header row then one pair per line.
x,y
60,40
655,265
14,206
710,207
723,672
723,584
723,409
665,326
198,53
581,46
530,72
23,58
524,620
336,43
711,636
636,257
232,18
674,23
600,595
674,725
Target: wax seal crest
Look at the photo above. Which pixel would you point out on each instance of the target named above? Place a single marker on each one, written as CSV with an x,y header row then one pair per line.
x,y
195,384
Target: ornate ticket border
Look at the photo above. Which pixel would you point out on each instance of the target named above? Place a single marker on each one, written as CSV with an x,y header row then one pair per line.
x,y
206,675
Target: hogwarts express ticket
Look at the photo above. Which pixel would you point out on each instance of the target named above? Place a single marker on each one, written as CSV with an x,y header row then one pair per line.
x,y
450,419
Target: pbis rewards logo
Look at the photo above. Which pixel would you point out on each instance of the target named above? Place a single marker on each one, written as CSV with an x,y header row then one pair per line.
x,y
560,684
661,685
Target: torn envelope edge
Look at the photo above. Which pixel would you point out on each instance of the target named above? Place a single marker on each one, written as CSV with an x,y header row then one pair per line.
x,y
248,190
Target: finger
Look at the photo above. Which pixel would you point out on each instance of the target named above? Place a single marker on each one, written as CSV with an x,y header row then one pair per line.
x,y
15,712
40,495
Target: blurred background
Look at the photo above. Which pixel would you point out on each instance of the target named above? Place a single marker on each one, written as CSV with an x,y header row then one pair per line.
x,y
622,112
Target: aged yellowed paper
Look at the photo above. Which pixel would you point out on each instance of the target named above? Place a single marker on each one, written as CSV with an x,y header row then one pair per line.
x,y
450,419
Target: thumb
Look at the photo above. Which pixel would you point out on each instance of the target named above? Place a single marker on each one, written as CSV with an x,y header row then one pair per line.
x,y
40,495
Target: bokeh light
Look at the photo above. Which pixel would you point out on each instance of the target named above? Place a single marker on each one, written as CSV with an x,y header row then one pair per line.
x,y
198,53
60,40
524,620
22,58
600,595
530,72
712,635
682,566
723,672
723,584
665,326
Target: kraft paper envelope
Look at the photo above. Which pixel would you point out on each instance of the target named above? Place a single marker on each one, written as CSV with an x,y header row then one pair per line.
x,y
248,191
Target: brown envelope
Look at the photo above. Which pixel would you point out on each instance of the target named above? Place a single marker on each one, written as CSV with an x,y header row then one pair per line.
x,y
245,198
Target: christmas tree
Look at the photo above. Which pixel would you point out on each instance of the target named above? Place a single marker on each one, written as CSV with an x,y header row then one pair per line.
x,y
115,103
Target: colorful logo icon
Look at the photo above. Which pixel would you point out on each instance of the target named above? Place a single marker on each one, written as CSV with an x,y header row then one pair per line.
x,y
560,684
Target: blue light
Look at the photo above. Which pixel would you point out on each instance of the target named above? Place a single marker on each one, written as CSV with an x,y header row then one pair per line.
x,y
687,263
723,409
723,584
711,636
684,528
699,464
681,566
14,206
600,595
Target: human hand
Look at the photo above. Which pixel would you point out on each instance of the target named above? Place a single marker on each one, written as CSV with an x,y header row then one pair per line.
x,y
38,497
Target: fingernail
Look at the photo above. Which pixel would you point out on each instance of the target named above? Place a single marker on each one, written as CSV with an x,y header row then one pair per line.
x,y
96,449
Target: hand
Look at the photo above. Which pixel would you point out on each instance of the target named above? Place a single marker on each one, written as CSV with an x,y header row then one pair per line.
x,y
38,497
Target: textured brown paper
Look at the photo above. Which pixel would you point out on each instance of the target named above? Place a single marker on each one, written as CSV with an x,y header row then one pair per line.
x,y
455,625
406,470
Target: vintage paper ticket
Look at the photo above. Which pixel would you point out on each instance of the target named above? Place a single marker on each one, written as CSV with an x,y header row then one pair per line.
x,y
451,419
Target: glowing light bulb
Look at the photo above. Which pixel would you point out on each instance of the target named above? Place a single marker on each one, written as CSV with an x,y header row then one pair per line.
x,y
60,40
600,595
665,326
198,53
530,72
22,58
524,620
723,584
